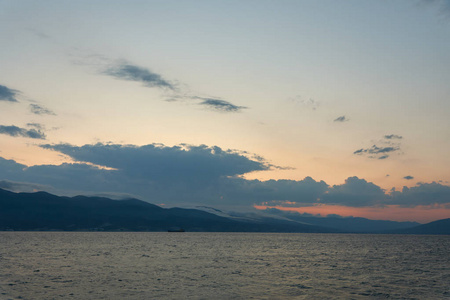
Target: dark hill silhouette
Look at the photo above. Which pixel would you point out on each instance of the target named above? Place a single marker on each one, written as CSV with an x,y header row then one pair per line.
x,y
436,227
44,211
347,224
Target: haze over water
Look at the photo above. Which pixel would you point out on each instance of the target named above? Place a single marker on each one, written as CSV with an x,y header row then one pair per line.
x,y
80,265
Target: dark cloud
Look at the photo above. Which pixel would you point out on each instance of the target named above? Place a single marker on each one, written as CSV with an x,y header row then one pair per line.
x,y
209,102
198,176
11,169
22,132
273,192
385,147
220,105
174,90
421,194
341,119
7,94
376,150
40,110
408,177
220,191
354,192
157,162
130,72
393,136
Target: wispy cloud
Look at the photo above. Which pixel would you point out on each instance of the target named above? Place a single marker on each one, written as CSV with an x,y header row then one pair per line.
x,y
36,125
40,110
23,186
305,102
341,119
409,177
7,94
38,33
219,105
393,136
126,71
376,150
174,90
382,151
22,132
444,5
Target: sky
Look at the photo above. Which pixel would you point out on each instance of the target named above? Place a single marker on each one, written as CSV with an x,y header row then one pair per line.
x,y
323,107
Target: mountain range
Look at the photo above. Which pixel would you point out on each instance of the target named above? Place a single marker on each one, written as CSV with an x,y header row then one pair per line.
x,y
44,211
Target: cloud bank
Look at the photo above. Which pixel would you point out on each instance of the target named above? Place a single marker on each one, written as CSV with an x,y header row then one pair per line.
x,y
202,175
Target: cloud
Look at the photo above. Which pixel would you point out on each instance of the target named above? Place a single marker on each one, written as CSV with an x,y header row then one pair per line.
x,y
273,192
421,194
126,71
393,136
308,103
36,125
23,187
341,119
408,177
376,150
40,110
199,175
383,151
159,174
214,104
159,162
7,94
220,105
174,90
354,192
11,169
444,5
38,33
22,132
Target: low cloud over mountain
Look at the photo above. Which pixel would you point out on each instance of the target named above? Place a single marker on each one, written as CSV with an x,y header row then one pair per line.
x,y
193,175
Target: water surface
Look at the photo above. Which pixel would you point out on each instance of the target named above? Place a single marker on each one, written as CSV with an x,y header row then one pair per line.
x,y
96,265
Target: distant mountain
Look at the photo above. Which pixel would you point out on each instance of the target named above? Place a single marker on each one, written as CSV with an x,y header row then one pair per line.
x,y
44,211
346,224
436,227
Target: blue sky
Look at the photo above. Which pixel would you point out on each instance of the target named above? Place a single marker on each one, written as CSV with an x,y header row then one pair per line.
x,y
307,103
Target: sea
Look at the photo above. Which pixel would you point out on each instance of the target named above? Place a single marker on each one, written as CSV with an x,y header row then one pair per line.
x,y
185,265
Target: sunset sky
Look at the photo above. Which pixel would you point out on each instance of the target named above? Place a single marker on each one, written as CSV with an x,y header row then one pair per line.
x,y
324,107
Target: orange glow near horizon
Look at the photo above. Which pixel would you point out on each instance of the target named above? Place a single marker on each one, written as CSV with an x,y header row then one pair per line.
x,y
421,214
